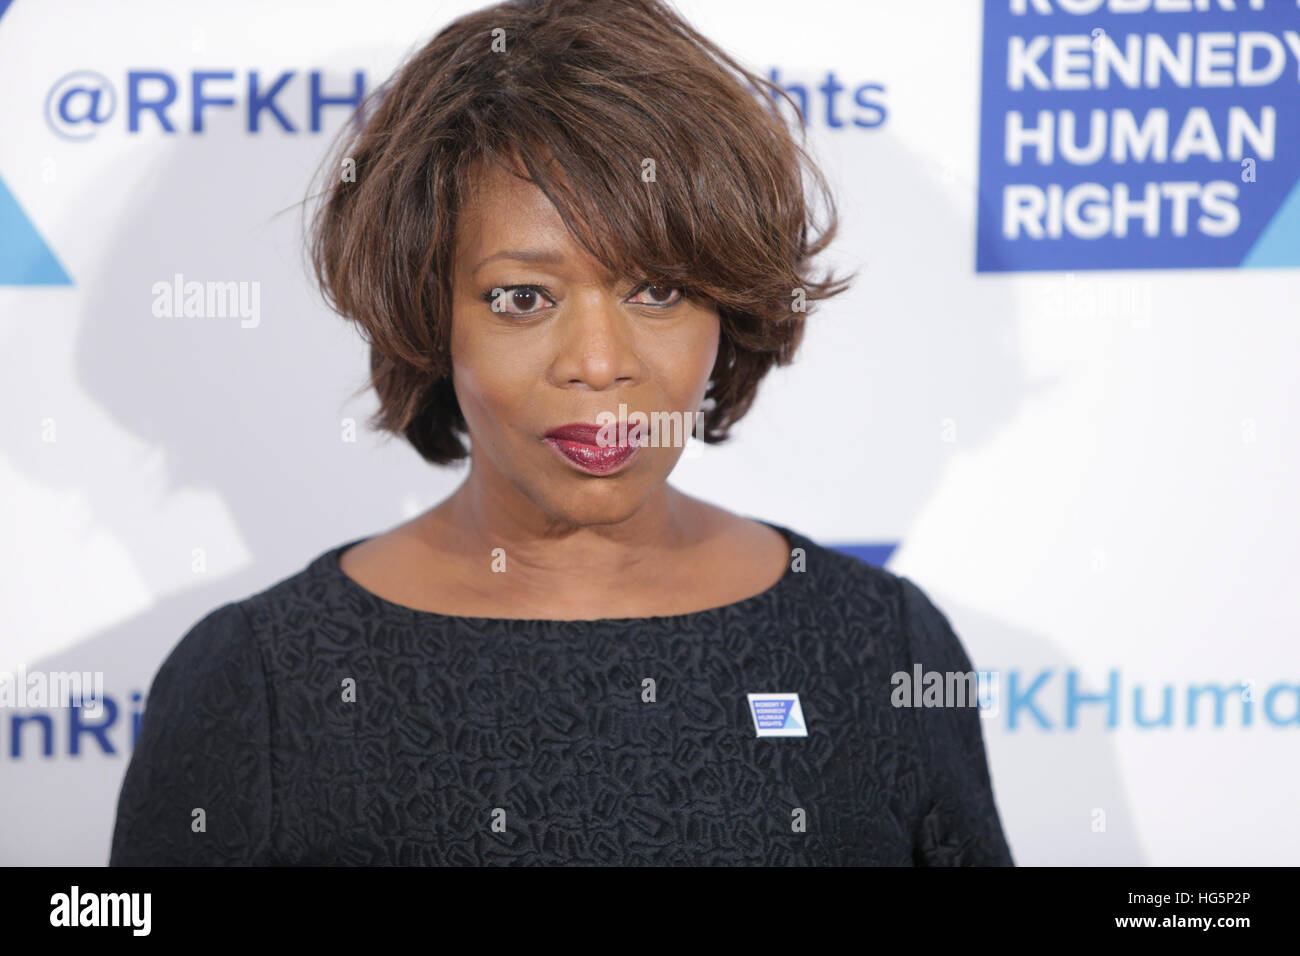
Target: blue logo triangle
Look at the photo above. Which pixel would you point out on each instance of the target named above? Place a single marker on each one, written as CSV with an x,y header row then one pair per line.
x,y
25,259
1279,243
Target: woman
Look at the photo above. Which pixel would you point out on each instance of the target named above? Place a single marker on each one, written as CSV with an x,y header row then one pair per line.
x,y
562,214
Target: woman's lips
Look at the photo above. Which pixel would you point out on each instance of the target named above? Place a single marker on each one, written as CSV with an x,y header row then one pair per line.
x,y
579,444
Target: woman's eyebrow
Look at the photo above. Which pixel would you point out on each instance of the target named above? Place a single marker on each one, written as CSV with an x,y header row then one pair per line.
x,y
534,256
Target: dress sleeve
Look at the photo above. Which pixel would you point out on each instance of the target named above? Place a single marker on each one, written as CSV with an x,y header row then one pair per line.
x,y
204,745
959,823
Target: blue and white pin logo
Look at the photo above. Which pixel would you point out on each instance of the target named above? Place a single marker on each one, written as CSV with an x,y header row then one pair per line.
x,y
777,715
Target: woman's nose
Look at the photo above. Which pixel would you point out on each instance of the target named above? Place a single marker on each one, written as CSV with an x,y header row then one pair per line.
x,y
595,346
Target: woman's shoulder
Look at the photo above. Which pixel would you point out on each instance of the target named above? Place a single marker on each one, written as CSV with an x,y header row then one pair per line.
x,y
237,629
868,596
832,574
203,749
318,587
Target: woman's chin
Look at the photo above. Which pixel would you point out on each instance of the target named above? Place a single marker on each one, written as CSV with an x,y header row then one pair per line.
x,y
597,503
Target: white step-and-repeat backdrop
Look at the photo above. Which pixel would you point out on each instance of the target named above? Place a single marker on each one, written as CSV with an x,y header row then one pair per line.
x,y
1072,353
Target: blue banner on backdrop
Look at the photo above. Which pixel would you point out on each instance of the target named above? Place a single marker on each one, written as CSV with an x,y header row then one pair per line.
x,y
1139,134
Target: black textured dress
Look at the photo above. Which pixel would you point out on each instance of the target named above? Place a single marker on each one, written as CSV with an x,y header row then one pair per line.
x,y
317,723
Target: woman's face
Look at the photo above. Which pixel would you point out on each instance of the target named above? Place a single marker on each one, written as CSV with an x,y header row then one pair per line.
x,y
574,342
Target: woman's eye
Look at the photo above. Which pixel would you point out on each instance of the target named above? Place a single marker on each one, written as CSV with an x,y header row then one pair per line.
x,y
661,295
525,300
516,300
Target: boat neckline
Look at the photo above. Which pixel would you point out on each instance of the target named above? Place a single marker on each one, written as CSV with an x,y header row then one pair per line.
x,y
328,563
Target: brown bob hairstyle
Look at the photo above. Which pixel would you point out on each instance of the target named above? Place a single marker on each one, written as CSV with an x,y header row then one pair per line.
x,y
600,87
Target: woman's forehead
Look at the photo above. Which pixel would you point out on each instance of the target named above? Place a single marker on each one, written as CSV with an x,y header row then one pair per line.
x,y
505,217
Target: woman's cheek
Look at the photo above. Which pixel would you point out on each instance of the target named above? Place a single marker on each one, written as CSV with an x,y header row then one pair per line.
x,y
697,357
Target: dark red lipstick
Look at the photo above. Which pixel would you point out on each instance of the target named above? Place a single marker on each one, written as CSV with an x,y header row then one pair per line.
x,y
579,444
